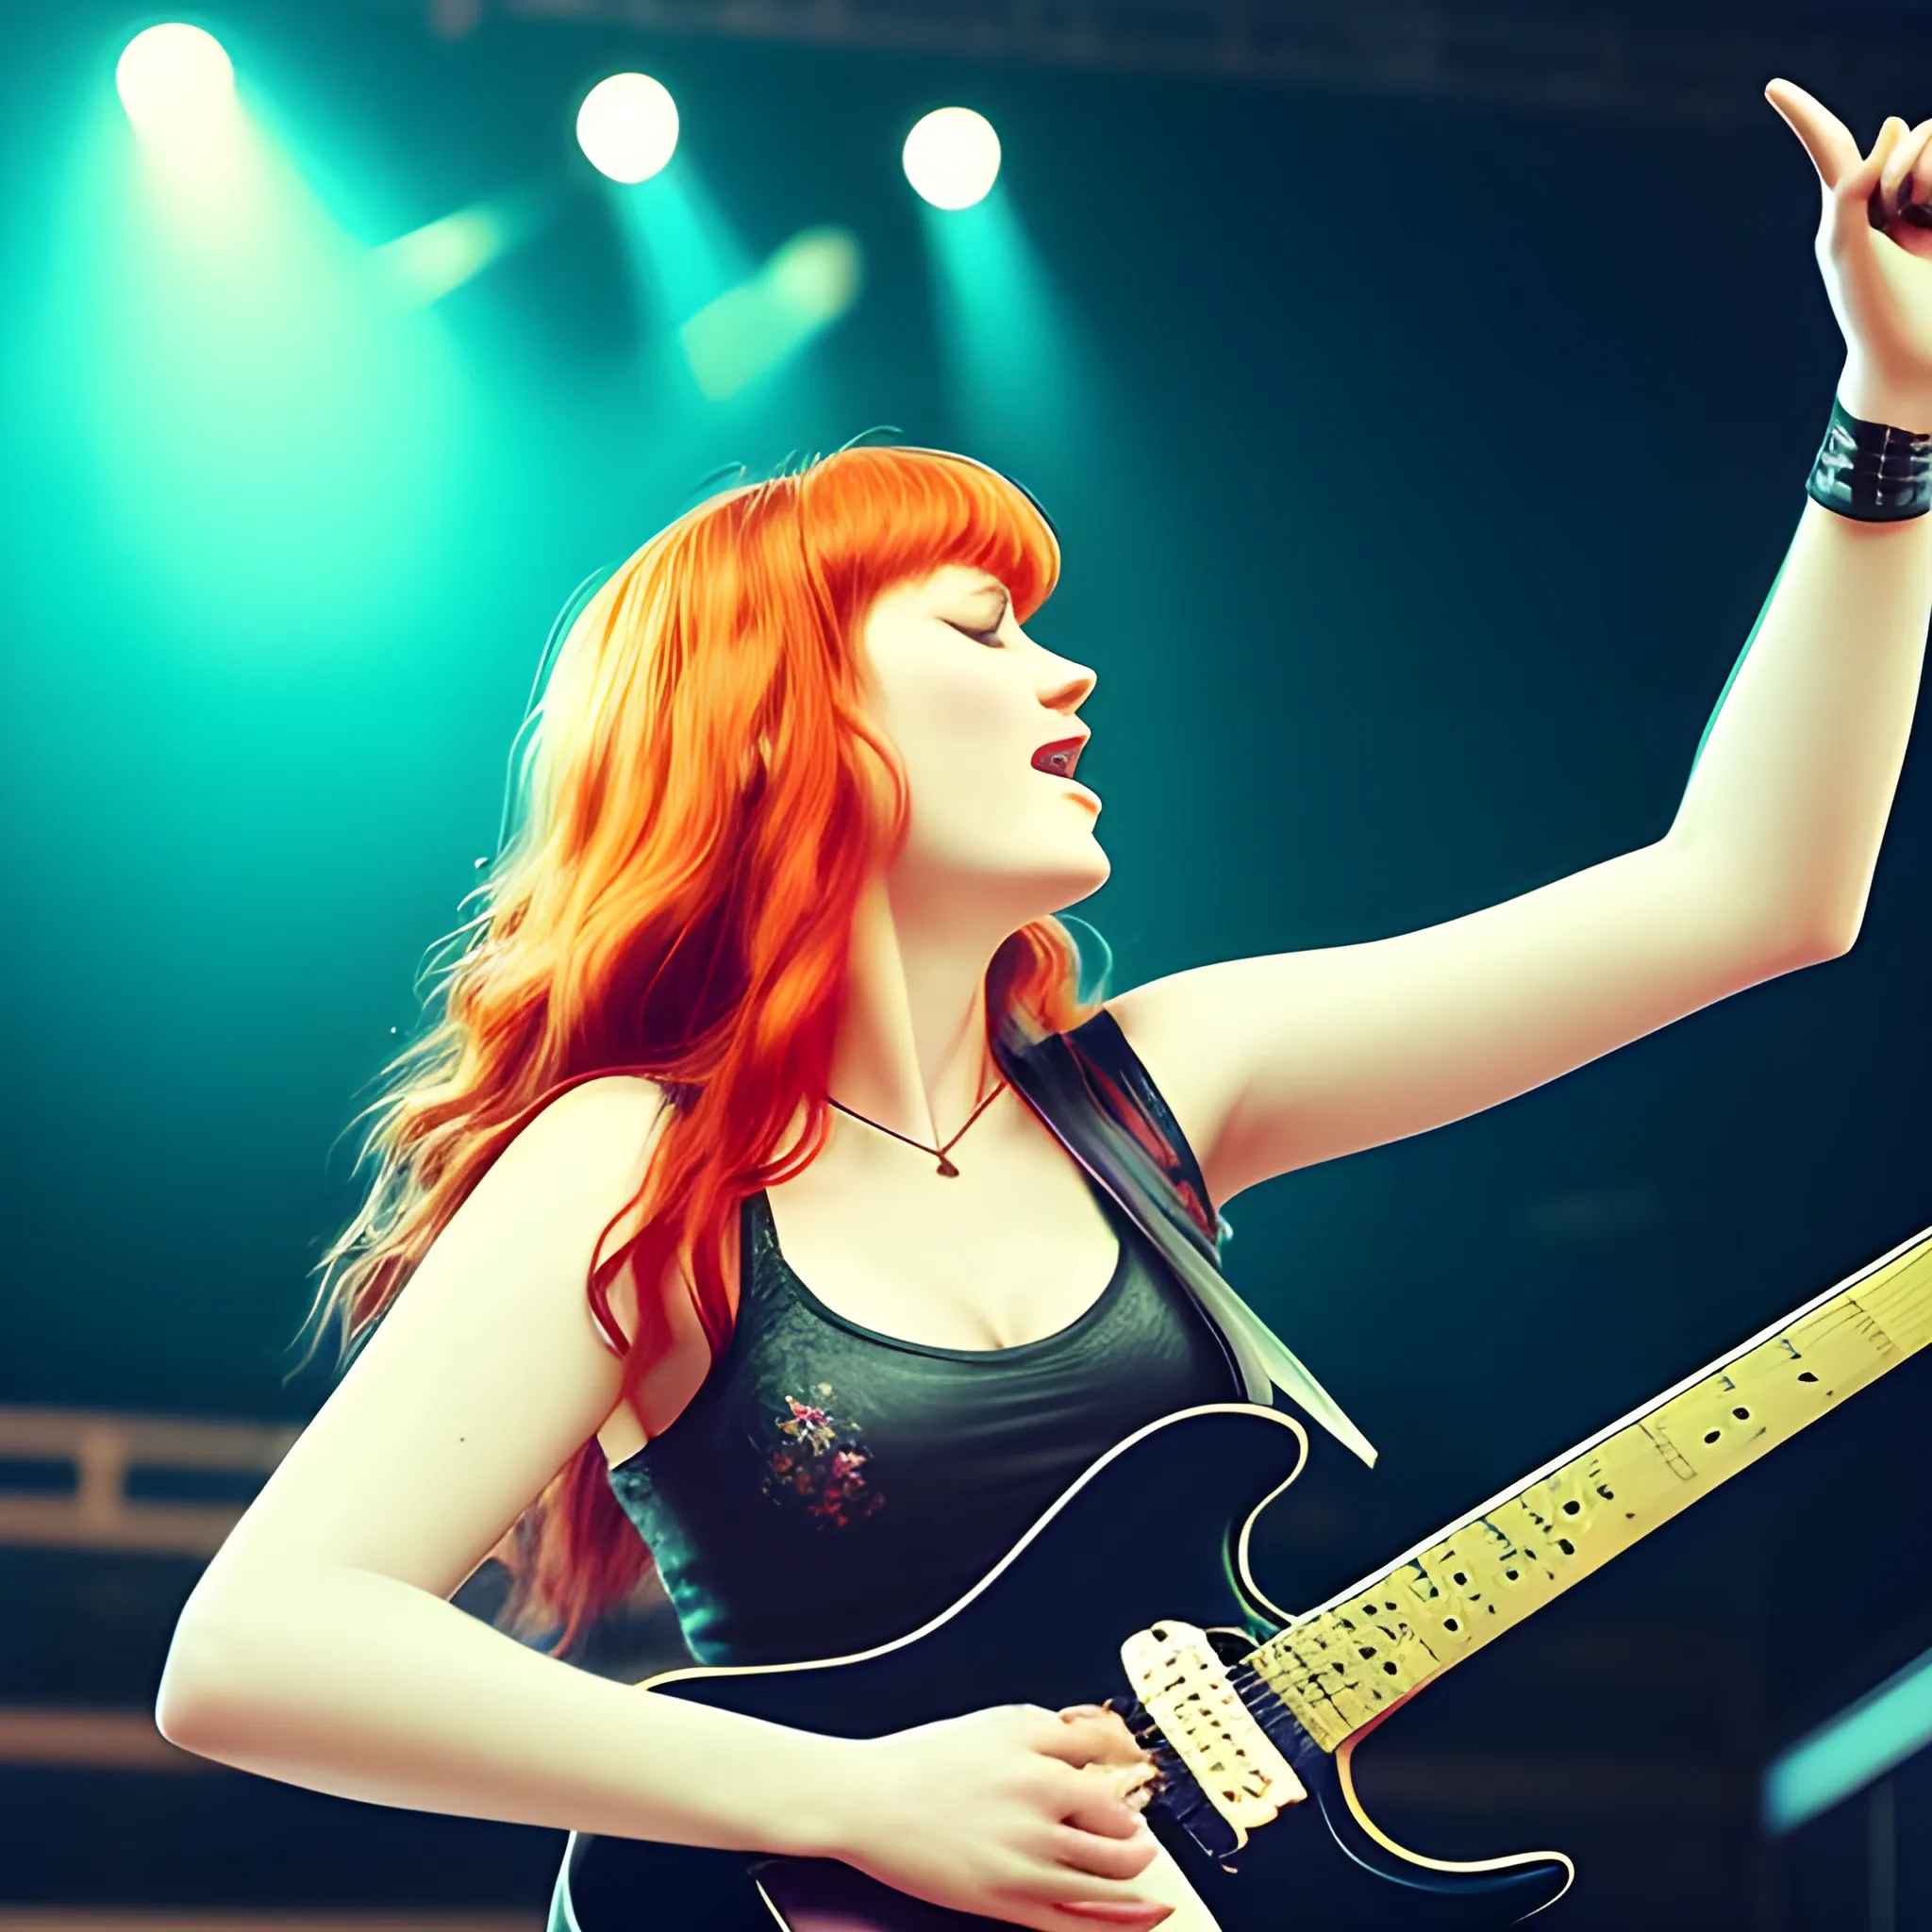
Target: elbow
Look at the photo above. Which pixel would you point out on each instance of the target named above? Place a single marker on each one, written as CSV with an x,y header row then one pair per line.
x,y
1829,929
1825,933
188,1697
1769,933
1834,942
200,1705
1763,919
181,1719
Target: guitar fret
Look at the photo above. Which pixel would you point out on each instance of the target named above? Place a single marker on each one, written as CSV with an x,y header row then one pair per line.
x,y
1352,1661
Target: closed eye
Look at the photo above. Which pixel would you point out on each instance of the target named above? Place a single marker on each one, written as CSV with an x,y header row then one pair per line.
x,y
989,637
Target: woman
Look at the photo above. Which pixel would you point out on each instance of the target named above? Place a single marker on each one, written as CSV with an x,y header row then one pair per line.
x,y
803,804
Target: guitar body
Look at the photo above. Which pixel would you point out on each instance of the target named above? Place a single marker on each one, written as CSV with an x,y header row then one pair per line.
x,y
1154,1531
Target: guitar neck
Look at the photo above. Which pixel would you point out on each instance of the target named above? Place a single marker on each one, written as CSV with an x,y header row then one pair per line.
x,y
1350,1663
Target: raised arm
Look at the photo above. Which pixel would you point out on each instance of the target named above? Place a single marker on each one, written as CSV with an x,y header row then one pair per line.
x,y
1275,1062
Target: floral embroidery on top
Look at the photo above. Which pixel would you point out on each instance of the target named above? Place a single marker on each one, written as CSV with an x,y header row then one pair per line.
x,y
821,1465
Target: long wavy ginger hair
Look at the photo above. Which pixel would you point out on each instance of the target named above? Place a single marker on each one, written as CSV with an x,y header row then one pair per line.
x,y
704,799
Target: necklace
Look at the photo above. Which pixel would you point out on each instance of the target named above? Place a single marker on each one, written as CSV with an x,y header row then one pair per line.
x,y
946,1167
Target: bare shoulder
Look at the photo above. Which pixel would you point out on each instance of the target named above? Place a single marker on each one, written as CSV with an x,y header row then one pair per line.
x,y
598,1131
485,1376
533,1222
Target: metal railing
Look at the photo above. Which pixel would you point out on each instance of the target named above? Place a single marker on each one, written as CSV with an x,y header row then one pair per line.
x,y
88,1505
1632,63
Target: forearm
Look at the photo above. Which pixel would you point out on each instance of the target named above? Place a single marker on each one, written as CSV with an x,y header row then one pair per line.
x,y
366,1688
1787,801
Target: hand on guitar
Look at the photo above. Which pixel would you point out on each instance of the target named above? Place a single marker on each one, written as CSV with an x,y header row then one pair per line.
x,y
1013,1813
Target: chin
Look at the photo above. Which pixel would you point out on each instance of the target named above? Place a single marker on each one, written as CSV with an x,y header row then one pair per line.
x,y
1021,886
1083,882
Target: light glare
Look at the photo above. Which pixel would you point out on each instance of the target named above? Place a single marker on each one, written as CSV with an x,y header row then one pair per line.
x,y
806,285
815,275
1847,1752
952,157
628,126
426,264
174,76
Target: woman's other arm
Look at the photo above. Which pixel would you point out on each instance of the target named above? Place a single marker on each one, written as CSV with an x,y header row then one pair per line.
x,y
318,1647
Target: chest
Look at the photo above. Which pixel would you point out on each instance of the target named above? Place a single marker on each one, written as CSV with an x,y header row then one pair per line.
x,y
993,1261
1013,1248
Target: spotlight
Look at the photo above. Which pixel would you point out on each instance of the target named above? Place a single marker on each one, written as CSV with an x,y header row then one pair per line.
x,y
174,76
952,157
628,126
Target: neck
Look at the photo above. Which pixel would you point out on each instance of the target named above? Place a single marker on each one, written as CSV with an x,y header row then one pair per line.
x,y
911,1049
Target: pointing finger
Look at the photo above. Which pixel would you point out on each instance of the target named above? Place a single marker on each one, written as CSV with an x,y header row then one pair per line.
x,y
1825,137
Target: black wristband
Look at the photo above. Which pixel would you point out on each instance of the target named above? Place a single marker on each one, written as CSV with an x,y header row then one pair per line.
x,y
1870,470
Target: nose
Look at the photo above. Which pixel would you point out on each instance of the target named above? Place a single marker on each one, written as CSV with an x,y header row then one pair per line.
x,y
1068,685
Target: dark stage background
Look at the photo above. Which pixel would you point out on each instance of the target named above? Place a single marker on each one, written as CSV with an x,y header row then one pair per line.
x,y
1422,451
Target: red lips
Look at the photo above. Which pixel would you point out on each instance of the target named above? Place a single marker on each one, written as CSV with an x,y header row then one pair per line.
x,y
1061,756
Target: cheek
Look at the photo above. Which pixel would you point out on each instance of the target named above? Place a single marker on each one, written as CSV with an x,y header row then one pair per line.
x,y
962,740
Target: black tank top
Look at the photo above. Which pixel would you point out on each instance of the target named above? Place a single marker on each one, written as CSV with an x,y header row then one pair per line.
x,y
829,1488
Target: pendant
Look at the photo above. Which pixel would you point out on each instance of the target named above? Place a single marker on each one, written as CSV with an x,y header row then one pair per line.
x,y
946,1166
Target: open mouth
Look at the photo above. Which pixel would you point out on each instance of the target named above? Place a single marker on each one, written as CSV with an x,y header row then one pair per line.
x,y
1059,757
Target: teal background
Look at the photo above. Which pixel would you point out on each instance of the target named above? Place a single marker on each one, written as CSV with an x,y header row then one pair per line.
x,y
1420,470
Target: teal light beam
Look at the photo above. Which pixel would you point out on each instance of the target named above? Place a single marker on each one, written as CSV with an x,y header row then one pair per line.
x,y
1851,1750
683,251
257,431
1011,356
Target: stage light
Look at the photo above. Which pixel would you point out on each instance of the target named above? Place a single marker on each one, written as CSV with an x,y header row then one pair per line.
x,y
952,157
807,284
174,76
628,126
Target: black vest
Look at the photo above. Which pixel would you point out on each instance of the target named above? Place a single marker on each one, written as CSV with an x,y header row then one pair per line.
x,y
829,1488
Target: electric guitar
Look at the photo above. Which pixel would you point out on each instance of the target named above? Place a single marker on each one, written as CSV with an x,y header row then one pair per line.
x,y
1252,1715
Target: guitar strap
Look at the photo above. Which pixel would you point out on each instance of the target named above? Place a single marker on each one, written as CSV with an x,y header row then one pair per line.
x,y
1091,1090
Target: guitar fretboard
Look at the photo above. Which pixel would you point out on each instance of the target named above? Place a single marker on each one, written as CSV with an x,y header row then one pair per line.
x,y
1351,1661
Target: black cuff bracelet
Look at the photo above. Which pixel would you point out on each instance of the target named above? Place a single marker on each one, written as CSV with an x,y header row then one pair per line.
x,y
1870,470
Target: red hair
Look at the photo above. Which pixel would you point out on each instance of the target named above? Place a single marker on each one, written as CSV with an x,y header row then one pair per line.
x,y
704,799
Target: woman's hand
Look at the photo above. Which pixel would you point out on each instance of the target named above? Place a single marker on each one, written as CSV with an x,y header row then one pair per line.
x,y
1014,1813
1874,250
